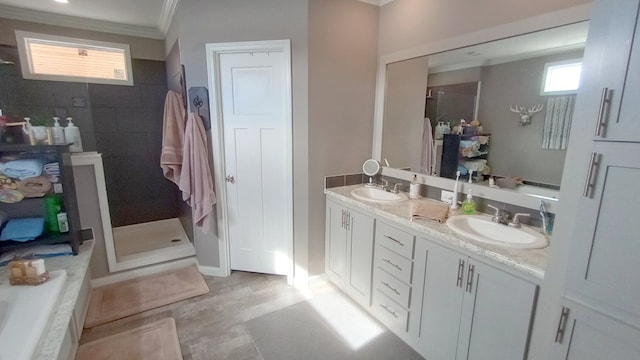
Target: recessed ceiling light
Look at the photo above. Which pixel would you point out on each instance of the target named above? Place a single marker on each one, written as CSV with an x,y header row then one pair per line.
x,y
62,1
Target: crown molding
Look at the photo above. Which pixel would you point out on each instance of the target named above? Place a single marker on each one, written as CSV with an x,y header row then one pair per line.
x,y
168,10
377,2
11,12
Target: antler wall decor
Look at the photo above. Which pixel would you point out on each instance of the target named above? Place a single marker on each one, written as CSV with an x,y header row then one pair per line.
x,y
526,113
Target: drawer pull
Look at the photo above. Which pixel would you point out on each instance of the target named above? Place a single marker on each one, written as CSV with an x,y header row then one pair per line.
x,y
390,287
562,324
603,111
392,264
394,240
395,314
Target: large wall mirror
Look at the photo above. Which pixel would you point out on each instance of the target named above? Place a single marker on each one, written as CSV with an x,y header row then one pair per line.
x,y
484,82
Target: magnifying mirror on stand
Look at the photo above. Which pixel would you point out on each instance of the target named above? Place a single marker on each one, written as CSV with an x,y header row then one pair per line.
x,y
371,168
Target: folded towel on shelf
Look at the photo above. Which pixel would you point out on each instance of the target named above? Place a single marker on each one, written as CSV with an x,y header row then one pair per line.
x,y
430,210
22,168
22,229
34,187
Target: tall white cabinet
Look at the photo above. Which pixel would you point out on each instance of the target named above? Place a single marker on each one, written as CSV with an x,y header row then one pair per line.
x,y
599,312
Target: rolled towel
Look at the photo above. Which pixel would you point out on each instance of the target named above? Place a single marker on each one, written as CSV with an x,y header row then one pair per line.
x,y
34,187
430,210
22,168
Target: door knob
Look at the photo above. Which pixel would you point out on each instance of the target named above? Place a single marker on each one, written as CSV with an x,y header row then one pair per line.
x,y
230,179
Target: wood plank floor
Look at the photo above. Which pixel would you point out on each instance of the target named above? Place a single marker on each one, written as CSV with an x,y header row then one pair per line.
x,y
212,326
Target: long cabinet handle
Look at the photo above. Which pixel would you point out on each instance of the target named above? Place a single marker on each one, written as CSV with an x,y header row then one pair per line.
x,y
394,240
395,314
603,111
343,219
589,182
562,324
392,263
390,287
348,216
470,271
460,273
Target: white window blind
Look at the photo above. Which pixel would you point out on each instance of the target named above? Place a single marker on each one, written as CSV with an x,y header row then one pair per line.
x,y
47,57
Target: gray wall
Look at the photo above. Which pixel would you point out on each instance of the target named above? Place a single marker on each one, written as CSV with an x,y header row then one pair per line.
x,y
342,73
198,22
141,48
516,150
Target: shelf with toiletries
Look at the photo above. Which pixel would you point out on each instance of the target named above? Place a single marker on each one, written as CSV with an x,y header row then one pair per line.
x,y
38,204
466,153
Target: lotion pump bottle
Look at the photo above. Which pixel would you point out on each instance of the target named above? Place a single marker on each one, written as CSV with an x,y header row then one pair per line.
x,y
414,188
72,135
58,132
468,205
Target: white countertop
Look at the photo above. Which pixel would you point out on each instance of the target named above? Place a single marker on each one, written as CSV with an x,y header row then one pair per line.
x,y
529,261
76,267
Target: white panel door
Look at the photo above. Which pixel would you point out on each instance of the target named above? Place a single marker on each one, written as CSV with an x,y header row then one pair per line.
x,y
253,98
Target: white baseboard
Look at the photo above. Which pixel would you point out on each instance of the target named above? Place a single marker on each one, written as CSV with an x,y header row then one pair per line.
x,y
143,271
212,271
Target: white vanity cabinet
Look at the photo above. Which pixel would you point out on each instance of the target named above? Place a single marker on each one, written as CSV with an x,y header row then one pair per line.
x,y
349,250
469,310
612,71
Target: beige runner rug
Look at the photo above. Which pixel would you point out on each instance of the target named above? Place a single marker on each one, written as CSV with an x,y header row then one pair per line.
x,y
134,296
155,341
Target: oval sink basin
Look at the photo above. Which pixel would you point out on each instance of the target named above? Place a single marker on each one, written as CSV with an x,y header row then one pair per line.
x,y
481,228
377,195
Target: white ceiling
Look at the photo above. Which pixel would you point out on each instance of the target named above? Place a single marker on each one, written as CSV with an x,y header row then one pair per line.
x,y
146,18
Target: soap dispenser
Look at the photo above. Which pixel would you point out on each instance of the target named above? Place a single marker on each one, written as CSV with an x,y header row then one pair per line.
x,y
58,132
72,135
468,205
414,188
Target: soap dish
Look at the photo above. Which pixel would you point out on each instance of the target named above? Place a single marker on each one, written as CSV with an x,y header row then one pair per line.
x,y
29,280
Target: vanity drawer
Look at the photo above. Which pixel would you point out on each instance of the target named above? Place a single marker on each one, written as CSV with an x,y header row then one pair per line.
x,y
392,287
393,263
390,313
395,239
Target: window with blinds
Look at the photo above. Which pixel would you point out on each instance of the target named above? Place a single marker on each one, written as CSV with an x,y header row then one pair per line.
x,y
57,58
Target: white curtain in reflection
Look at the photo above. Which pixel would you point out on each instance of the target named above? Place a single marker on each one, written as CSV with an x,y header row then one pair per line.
x,y
428,149
558,122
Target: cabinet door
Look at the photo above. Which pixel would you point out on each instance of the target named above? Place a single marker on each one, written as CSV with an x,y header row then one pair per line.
x,y
359,256
610,72
604,245
588,334
336,246
496,314
441,298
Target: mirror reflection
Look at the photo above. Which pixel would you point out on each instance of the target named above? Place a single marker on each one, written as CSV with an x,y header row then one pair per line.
x,y
482,108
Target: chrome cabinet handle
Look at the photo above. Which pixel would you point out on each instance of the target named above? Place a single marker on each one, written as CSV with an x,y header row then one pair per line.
x,y
460,273
394,240
392,264
390,287
603,111
342,226
589,183
395,314
470,278
230,179
348,216
562,324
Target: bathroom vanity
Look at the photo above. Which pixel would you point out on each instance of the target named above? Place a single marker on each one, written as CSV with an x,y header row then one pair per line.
x,y
448,297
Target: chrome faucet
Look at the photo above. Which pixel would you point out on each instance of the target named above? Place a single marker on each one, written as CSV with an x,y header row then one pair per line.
x,y
516,219
385,185
500,217
396,188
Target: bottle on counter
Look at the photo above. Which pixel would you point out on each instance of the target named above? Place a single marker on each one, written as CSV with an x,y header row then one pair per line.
x,y
414,188
58,132
468,205
72,135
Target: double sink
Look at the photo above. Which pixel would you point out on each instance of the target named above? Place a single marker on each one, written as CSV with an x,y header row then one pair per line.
x,y
475,227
